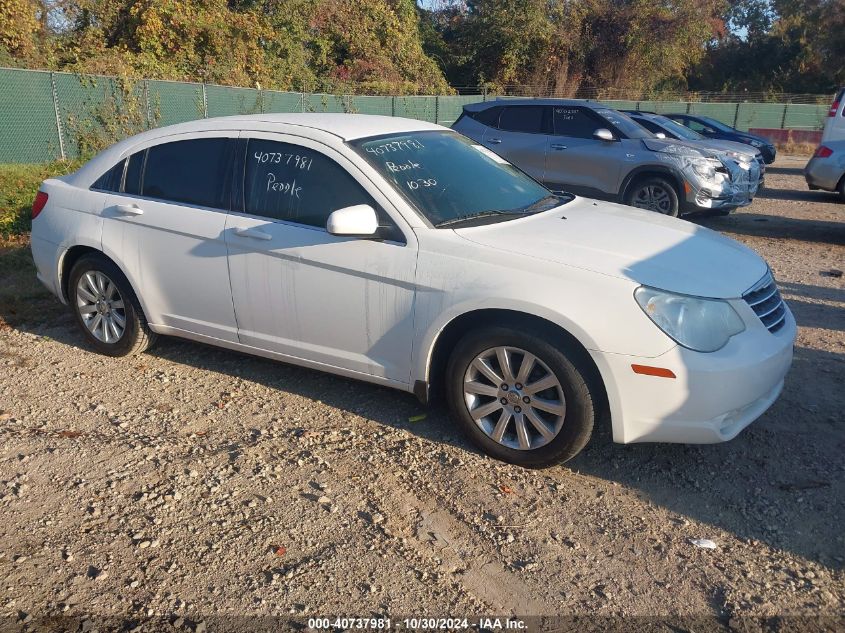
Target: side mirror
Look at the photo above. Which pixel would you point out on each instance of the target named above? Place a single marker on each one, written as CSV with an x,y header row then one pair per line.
x,y
359,220
603,134
660,135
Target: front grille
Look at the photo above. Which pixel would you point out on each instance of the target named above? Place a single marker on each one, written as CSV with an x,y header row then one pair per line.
x,y
764,298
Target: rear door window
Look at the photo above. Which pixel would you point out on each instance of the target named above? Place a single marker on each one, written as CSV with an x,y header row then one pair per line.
x,y
651,127
575,122
522,118
110,181
192,172
488,117
697,126
292,183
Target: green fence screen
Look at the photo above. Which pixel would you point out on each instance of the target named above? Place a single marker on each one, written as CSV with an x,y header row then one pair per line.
x,y
48,115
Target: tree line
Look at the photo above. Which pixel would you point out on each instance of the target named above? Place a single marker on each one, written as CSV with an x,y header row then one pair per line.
x,y
560,47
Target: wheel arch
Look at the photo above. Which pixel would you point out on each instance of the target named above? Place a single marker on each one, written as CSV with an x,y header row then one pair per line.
x,y
77,252
457,327
650,171
67,262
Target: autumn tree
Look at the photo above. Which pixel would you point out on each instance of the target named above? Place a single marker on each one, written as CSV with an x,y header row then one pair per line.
x,y
778,46
563,47
18,27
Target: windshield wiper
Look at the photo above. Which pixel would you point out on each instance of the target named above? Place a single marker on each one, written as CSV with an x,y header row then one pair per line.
x,y
534,207
478,216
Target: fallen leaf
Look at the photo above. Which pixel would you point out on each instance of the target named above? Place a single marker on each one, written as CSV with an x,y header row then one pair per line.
x,y
70,434
507,490
417,418
281,550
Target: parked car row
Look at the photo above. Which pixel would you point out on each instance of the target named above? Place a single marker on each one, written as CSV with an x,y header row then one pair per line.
x,y
402,253
592,150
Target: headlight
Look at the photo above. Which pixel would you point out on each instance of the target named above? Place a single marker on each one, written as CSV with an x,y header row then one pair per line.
x,y
703,325
743,159
756,143
706,168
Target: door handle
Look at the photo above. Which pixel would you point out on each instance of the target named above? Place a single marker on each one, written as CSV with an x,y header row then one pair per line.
x,y
252,233
494,141
128,209
558,146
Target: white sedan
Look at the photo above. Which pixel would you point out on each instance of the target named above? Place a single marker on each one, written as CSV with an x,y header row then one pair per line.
x,y
404,254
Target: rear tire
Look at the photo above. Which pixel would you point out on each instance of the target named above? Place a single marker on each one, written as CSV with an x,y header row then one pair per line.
x,y
842,189
106,308
538,414
653,193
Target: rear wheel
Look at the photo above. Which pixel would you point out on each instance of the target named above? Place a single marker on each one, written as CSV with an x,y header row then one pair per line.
x,y
520,398
653,194
106,308
842,189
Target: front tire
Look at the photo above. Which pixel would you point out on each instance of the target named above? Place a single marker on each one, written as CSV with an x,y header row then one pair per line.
x,y
653,194
520,398
106,308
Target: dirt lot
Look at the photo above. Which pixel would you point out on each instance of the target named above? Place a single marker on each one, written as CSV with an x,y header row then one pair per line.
x,y
191,484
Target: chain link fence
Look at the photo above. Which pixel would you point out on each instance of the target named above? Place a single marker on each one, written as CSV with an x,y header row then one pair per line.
x,y
46,116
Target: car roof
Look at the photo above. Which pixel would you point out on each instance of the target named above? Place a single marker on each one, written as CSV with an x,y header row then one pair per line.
x,y
641,113
506,101
346,127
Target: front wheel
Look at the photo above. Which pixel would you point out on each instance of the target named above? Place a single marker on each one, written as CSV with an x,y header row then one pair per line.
x,y
520,398
653,194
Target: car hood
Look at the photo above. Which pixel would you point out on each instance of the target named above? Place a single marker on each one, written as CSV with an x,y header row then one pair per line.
x,y
747,138
620,241
674,146
730,146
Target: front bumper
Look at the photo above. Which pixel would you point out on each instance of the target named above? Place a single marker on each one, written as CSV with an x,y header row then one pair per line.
x,y
739,191
714,395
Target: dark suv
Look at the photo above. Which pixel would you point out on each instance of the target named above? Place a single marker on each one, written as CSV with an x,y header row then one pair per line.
x,y
598,152
711,128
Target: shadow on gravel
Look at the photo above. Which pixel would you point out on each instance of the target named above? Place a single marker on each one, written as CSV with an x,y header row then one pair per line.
x,y
770,193
818,315
785,171
758,225
781,481
811,292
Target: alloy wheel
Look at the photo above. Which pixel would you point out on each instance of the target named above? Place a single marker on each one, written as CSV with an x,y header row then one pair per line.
x,y
101,307
653,198
514,398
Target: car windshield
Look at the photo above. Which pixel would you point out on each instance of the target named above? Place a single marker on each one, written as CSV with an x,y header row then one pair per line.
x,y
453,181
625,124
717,124
681,131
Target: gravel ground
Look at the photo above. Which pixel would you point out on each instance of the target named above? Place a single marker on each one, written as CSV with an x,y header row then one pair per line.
x,y
192,484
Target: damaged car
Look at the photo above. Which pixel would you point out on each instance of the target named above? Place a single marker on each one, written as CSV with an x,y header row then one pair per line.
x,y
664,127
592,150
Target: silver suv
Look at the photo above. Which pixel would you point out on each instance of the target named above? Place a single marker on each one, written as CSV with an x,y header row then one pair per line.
x,y
592,150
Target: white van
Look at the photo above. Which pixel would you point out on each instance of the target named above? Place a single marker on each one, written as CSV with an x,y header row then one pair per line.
x,y
834,127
